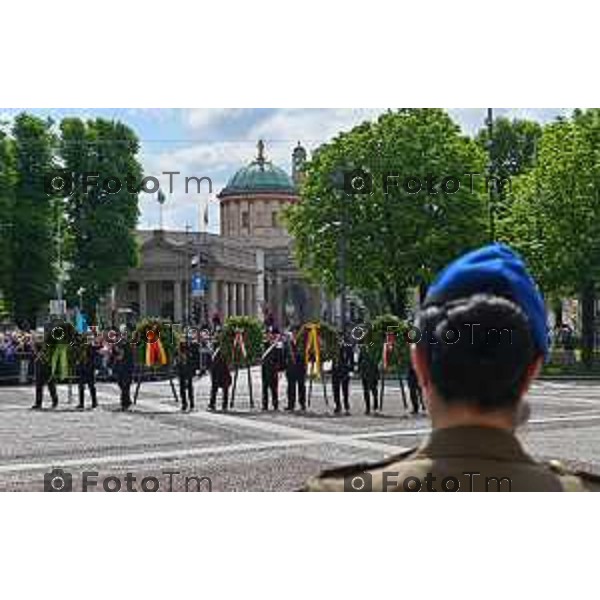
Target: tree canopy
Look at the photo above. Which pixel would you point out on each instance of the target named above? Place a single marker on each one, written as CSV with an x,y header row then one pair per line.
x,y
395,237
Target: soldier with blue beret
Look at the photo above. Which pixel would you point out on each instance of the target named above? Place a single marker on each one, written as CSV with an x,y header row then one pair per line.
x,y
480,340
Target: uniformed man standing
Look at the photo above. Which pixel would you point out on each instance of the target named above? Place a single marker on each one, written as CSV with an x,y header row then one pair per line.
x,y
295,372
414,390
271,365
342,366
369,376
43,375
85,369
122,365
186,369
220,378
483,340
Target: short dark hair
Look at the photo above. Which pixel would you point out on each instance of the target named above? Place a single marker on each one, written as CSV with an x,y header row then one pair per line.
x,y
478,349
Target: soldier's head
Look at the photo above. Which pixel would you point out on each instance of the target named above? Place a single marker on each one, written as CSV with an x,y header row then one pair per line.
x,y
482,338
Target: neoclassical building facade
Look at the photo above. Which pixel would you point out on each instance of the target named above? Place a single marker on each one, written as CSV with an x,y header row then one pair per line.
x,y
247,269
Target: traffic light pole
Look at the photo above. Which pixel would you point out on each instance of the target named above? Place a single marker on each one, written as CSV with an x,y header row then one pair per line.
x,y
491,183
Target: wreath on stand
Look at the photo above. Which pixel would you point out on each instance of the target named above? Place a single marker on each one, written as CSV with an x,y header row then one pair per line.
x,y
241,343
156,349
318,342
387,346
62,348
157,343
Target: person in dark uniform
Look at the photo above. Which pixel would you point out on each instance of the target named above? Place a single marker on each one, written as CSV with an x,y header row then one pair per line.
x,y
186,369
271,365
85,369
122,365
342,366
295,372
414,390
486,339
220,378
369,376
43,375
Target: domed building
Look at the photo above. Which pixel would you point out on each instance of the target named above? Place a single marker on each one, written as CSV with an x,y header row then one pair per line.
x,y
246,270
252,199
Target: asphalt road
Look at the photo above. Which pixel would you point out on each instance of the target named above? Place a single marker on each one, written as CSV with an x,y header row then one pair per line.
x,y
246,449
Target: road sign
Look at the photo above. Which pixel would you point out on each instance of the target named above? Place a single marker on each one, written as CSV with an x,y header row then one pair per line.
x,y
199,285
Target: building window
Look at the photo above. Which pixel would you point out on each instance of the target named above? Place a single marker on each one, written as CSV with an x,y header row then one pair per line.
x,y
245,220
274,222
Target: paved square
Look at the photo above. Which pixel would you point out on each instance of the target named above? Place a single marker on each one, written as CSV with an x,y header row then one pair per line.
x,y
248,449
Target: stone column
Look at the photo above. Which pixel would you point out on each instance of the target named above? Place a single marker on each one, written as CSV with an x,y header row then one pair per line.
x,y
225,307
177,309
254,310
143,299
277,306
213,297
233,299
243,308
259,298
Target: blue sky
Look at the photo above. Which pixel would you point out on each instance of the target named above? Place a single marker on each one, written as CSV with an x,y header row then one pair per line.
x,y
215,142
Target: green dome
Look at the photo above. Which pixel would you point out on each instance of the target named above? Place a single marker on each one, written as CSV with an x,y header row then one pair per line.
x,y
260,176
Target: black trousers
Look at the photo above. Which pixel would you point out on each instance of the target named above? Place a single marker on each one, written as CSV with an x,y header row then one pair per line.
x,y
296,388
213,396
370,389
416,397
340,384
270,385
91,383
124,383
186,391
40,382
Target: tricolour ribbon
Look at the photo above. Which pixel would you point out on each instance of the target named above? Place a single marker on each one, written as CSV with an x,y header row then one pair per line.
x,y
155,353
312,348
388,349
239,344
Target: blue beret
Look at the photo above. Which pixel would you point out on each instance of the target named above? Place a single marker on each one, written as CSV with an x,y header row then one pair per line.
x,y
494,269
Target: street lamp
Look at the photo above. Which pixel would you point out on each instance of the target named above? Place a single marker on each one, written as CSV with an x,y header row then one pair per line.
x,y
337,180
491,170
80,293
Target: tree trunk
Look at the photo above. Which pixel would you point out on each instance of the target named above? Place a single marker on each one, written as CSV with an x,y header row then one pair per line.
x,y
588,301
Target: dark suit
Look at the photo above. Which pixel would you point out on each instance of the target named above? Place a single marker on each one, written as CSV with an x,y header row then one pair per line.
x,y
343,365
295,373
86,373
186,369
123,370
369,375
272,363
43,376
220,378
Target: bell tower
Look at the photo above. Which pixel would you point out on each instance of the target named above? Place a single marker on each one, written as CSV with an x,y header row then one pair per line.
x,y
298,159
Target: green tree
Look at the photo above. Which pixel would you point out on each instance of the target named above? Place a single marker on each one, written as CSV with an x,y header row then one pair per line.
x,y
394,239
554,217
512,152
32,231
7,182
102,225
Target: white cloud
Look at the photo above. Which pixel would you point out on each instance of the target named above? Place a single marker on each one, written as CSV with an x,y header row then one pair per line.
x,y
202,118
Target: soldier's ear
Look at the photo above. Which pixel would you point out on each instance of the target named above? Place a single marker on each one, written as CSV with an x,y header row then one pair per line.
x,y
533,370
